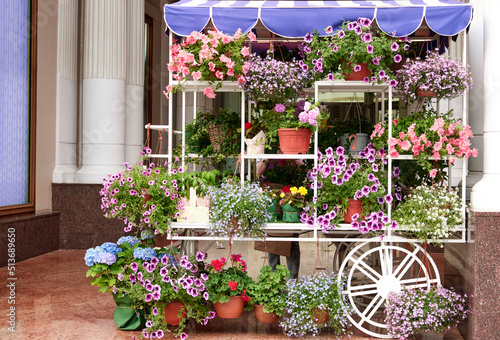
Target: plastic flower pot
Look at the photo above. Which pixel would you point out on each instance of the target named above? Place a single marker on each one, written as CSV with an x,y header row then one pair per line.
x,y
360,75
231,309
172,313
272,209
262,316
354,207
294,141
291,214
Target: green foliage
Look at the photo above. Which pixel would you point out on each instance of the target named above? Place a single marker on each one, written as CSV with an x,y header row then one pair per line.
x,y
268,289
285,172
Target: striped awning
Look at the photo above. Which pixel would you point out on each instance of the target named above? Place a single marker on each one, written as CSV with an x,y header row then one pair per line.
x,y
293,19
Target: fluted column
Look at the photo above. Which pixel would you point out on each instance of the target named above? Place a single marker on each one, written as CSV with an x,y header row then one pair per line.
x,y
67,87
134,124
485,195
103,103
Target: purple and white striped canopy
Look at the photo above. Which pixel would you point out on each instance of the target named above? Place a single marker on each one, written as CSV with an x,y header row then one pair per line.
x,y
293,19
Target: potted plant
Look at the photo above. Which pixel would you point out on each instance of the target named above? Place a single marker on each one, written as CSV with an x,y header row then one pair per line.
x,y
429,213
443,77
110,269
227,287
294,125
238,210
271,81
293,200
307,298
266,293
415,311
143,196
428,136
353,49
344,182
162,284
209,57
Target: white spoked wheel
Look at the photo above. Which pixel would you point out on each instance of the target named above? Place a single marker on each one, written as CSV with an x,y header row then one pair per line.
x,y
373,270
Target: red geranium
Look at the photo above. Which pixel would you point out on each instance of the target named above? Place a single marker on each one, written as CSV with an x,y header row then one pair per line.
x,y
233,285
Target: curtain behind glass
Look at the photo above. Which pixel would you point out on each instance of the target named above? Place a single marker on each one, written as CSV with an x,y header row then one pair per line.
x,y
14,102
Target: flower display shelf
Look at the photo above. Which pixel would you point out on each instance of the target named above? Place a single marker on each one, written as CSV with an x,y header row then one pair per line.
x,y
373,267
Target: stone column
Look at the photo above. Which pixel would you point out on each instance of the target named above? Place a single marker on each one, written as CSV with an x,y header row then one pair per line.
x,y
134,124
103,104
67,87
485,195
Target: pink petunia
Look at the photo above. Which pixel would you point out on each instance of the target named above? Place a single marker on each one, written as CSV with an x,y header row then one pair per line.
x,y
433,173
209,92
197,75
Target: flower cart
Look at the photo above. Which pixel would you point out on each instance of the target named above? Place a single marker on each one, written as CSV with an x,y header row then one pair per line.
x,y
374,268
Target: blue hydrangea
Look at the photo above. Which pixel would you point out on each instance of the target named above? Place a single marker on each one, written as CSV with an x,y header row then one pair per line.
x,y
144,253
105,257
128,239
111,248
147,234
89,256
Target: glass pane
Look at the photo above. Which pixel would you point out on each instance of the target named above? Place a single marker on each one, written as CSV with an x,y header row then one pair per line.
x,y
14,102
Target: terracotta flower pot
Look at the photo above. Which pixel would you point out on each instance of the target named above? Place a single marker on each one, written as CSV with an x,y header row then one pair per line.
x,y
360,75
231,309
425,93
172,313
263,317
294,141
354,207
320,316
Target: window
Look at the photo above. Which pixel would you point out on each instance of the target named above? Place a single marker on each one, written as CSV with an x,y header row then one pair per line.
x,y
17,106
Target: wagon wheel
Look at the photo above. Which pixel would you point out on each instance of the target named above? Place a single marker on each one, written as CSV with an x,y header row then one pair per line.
x,y
343,248
384,268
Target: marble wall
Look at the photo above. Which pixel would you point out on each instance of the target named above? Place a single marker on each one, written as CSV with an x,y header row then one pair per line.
x,y
474,268
35,234
83,224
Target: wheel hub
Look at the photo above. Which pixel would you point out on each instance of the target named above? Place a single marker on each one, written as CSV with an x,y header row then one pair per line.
x,y
388,284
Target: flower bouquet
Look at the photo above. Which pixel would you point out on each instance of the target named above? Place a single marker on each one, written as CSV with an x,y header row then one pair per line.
x,y
308,297
228,285
160,281
341,180
429,213
209,57
444,77
415,311
353,46
238,210
427,135
144,197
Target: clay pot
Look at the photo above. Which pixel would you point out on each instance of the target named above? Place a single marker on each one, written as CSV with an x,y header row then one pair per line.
x,y
231,309
354,207
294,141
263,317
320,316
172,313
360,75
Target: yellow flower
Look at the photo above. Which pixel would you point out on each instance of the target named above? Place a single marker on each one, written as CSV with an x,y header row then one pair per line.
x,y
282,195
293,190
302,191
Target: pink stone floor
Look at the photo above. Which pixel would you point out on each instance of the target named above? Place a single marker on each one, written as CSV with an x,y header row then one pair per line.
x,y
54,300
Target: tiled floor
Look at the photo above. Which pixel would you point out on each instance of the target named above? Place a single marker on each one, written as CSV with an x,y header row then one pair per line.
x,y
54,300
